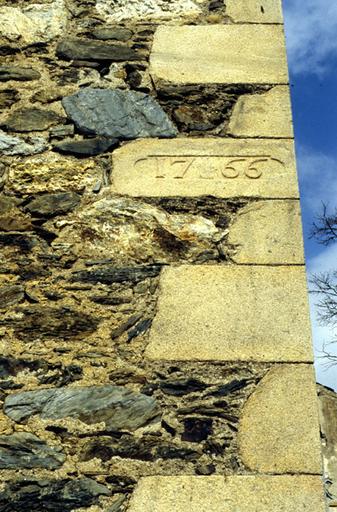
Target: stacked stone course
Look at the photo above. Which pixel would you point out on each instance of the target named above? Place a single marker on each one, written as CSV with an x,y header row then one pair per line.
x,y
154,333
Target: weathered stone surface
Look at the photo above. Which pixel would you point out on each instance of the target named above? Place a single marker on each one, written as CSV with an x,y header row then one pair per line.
x,y
12,146
263,115
10,295
32,119
118,407
268,232
279,428
81,49
138,10
53,204
34,23
24,450
8,97
231,493
117,113
130,231
112,274
255,11
39,322
219,54
118,33
65,495
8,72
52,173
231,314
195,167
327,400
86,147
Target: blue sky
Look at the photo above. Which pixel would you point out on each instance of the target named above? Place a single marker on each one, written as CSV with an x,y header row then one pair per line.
x,y
311,30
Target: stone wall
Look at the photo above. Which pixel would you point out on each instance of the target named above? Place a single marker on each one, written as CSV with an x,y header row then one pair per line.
x,y
155,336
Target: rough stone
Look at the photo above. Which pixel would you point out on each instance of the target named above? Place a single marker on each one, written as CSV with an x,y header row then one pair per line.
x,y
116,33
255,11
279,428
53,204
52,173
231,493
8,72
120,114
86,147
12,146
138,10
24,450
81,49
268,233
34,23
327,400
118,407
229,313
263,115
8,97
32,119
112,274
195,167
219,54
10,295
63,495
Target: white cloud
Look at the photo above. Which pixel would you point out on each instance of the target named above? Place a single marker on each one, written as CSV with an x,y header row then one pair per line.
x,y
323,334
311,28
318,179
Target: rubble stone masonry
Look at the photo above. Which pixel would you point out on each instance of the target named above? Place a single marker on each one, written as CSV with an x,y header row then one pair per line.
x,y
154,330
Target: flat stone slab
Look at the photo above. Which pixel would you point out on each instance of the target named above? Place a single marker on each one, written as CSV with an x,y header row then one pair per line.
x,y
268,232
228,494
263,115
195,167
223,54
255,11
279,427
231,313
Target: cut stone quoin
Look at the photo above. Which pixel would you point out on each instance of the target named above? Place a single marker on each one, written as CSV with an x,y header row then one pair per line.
x,y
263,115
219,54
199,166
268,233
228,494
255,11
279,428
231,313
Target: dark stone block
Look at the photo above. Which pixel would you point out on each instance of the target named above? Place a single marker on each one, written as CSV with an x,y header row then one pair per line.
x,y
32,119
112,274
24,450
81,49
18,73
117,406
118,113
49,205
86,147
116,33
50,495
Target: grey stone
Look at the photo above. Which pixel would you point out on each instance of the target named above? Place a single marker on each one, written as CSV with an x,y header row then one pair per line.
x,y
86,147
80,49
117,406
54,204
32,119
24,450
12,146
117,113
117,33
11,294
18,73
28,495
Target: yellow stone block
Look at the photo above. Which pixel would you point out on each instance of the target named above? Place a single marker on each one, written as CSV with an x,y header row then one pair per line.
x,y
224,54
228,494
255,11
279,428
231,313
199,166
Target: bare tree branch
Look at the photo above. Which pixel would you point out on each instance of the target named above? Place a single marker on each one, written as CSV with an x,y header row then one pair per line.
x,y
324,229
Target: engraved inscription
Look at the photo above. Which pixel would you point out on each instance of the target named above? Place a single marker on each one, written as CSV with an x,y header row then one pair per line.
x,y
215,167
